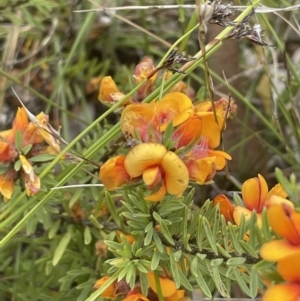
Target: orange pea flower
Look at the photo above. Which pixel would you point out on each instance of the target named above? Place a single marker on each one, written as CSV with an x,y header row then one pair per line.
x,y
285,221
256,196
151,119
113,173
109,293
109,92
31,134
226,207
157,166
203,162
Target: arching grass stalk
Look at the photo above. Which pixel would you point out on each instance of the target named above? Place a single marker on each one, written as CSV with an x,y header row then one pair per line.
x,y
113,132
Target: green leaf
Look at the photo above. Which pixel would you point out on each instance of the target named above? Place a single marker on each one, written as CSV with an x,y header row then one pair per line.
x,y
42,158
200,233
157,217
149,227
141,268
17,165
87,235
112,208
61,248
235,261
144,283
222,251
253,283
26,149
263,265
184,281
148,237
216,262
242,284
233,235
197,273
18,141
166,233
218,282
155,260
158,243
175,270
246,246
209,235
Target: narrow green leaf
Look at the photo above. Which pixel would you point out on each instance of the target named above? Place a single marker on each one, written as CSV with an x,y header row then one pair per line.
x,y
155,260
184,281
263,265
26,149
219,283
149,227
17,165
158,242
222,251
246,246
175,270
42,158
166,233
18,141
112,208
148,237
216,262
235,261
144,283
61,248
87,235
253,283
157,217
233,237
141,268
242,284
209,236
200,233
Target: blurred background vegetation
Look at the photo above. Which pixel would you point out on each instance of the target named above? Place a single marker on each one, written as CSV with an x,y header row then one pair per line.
x,y
55,58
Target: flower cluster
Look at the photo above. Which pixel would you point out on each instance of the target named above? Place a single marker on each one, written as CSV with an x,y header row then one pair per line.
x,y
20,143
173,142
285,222
167,286
256,196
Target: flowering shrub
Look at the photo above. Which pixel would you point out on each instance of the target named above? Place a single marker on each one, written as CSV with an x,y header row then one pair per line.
x,y
114,209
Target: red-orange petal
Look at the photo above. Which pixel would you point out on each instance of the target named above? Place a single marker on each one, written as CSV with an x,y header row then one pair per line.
x,y
278,249
109,293
21,121
168,287
226,207
188,132
254,192
113,173
283,292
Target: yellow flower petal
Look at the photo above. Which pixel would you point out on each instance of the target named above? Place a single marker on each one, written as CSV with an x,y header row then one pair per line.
x,y
109,293
278,249
239,211
176,173
152,176
168,287
174,107
283,292
144,156
6,187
